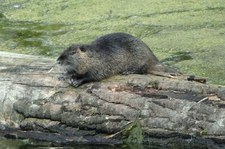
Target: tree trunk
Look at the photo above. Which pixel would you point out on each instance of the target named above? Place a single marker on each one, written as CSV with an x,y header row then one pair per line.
x,y
146,109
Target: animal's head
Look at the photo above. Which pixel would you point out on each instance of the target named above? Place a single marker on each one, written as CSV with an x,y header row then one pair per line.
x,y
74,59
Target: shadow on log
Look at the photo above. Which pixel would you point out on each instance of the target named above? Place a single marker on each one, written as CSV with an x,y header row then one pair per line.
x,y
140,109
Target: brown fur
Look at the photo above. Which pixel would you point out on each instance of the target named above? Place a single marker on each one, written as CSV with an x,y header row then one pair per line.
x,y
116,53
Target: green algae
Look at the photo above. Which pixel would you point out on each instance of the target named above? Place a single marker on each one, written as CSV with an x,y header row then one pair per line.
x,y
1,15
29,37
189,35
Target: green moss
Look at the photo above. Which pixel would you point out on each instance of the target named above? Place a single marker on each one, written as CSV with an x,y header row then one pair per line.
x,y
154,84
203,132
132,134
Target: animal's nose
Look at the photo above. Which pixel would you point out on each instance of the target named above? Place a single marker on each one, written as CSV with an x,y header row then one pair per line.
x,y
59,62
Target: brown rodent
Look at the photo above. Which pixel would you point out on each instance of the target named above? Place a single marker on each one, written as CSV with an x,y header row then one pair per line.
x,y
111,54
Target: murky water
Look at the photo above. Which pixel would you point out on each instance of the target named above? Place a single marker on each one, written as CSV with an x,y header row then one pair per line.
x,y
32,37
25,144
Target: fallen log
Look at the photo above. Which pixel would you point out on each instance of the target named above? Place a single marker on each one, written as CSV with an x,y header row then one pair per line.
x,y
146,109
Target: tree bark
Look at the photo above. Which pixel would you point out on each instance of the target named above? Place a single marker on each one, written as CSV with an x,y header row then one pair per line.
x,y
147,109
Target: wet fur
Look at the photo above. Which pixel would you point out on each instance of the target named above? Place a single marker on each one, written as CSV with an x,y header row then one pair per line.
x,y
116,53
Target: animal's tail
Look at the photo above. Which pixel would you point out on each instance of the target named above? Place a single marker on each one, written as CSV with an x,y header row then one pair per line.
x,y
164,70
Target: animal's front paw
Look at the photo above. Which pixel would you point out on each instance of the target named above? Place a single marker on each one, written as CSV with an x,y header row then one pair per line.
x,y
75,82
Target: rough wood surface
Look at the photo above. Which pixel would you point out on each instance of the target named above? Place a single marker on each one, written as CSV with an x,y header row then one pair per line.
x,y
34,104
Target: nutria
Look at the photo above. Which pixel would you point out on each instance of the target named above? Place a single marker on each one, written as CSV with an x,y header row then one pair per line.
x,y
116,53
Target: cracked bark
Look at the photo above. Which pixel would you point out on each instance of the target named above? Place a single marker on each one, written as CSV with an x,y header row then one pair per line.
x,y
36,105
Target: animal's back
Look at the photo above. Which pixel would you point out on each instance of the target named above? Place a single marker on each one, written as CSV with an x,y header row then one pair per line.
x,y
129,50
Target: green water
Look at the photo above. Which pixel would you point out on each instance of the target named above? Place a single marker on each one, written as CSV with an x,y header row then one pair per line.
x,y
189,35
29,37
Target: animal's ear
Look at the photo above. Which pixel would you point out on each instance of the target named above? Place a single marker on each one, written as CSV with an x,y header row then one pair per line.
x,y
72,49
82,48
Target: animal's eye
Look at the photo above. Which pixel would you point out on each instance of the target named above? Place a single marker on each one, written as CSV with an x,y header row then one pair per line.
x,y
73,52
83,49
